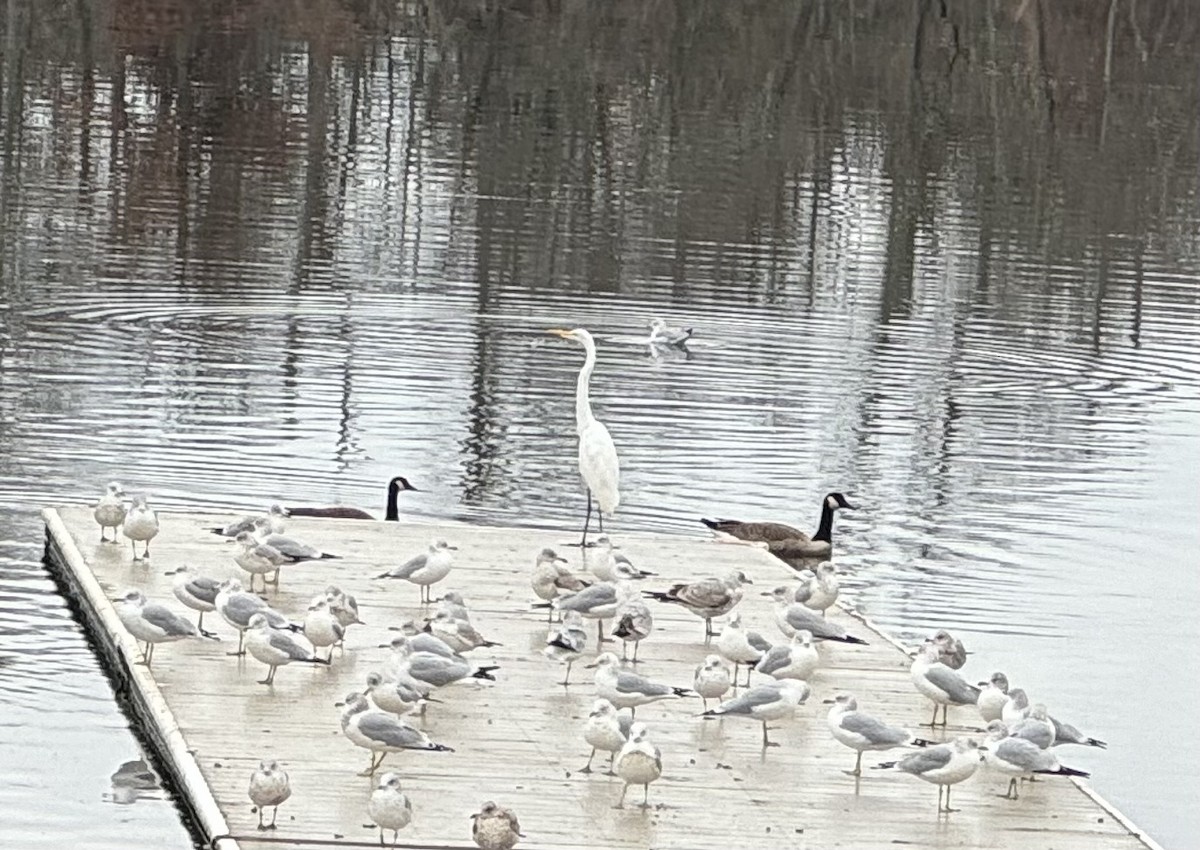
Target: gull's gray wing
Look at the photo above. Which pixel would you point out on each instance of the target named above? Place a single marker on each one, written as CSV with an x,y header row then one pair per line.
x,y
960,691
291,547
382,728
707,593
926,760
625,723
631,683
274,619
425,642
1034,731
242,606
437,670
164,618
803,593
595,596
408,567
758,641
286,645
1024,754
753,698
799,617
776,658
875,731
204,588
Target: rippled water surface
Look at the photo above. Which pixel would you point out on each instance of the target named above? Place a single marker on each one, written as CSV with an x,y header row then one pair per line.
x,y
945,262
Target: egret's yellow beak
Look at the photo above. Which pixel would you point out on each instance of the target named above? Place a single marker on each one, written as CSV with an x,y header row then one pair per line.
x,y
560,332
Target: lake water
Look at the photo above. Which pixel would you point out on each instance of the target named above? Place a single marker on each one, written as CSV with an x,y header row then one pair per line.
x,y
947,263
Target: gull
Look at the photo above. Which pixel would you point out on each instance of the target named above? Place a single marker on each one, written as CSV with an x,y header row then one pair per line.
x,y
942,685
993,694
708,598
943,766
1035,728
389,807
795,660
258,558
712,679
344,608
791,617
398,696
765,703
638,763
236,607
425,569
1020,758
196,592
141,523
741,646
420,641
632,623
1016,707
820,590
598,602
150,622
862,732
435,671
110,511
274,647
551,579
1065,733
451,602
269,786
495,827
380,732
321,627
663,334
951,651
274,516
628,690
289,546
566,643
610,565
459,634
606,729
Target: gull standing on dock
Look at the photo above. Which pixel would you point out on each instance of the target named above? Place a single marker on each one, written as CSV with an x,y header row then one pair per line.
x,y
862,732
452,603
197,592
943,686
566,643
632,623
551,578
1020,758
141,523
389,807
495,827
236,607
274,517
597,454
741,646
1036,728
459,634
821,589
275,648
792,617
269,786
425,569
150,622
598,602
765,703
434,671
712,679
628,690
397,696
610,565
344,608
606,729
258,558
295,549
708,598
993,694
951,651
943,766
380,732
110,511
1016,707
795,660
1065,733
416,640
639,763
321,627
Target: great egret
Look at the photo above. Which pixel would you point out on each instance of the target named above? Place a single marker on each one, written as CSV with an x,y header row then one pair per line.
x,y
597,455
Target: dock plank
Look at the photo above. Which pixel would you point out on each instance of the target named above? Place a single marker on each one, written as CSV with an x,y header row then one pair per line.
x,y
518,740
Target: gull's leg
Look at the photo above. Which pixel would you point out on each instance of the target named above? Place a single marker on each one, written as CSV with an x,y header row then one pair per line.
x,y
621,802
646,796
587,768
274,814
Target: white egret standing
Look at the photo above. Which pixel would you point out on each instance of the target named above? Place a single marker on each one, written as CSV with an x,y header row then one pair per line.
x,y
597,454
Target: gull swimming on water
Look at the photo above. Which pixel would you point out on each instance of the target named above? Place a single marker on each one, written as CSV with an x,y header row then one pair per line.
x,y
795,660
495,827
150,622
606,729
712,679
708,598
1020,758
764,703
791,617
638,763
551,578
943,686
741,646
632,623
663,334
380,732
269,786
236,607
943,765
141,523
860,731
566,643
197,592
993,694
275,647
425,569
389,807
110,511
628,690
321,627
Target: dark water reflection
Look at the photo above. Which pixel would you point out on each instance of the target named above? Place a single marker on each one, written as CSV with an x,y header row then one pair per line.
x,y
944,261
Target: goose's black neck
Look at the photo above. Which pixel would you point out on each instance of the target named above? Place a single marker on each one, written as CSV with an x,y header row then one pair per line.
x,y
393,514
825,529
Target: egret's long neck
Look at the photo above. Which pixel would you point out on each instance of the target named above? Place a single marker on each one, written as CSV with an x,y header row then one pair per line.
x,y
583,404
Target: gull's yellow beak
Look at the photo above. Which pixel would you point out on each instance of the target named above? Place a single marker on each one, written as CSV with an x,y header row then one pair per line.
x,y
560,332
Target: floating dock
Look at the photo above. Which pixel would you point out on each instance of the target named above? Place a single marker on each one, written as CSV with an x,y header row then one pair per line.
x,y
519,741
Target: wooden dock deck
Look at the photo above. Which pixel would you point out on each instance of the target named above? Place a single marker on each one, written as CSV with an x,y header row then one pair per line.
x,y
518,741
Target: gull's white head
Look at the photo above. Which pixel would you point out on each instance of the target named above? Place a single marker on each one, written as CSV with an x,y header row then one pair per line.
x,y
606,661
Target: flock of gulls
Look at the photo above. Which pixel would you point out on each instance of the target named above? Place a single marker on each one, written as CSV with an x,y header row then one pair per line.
x,y
433,652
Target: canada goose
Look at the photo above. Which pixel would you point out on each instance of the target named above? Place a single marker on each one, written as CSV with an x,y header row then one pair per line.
x,y
783,540
345,512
